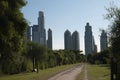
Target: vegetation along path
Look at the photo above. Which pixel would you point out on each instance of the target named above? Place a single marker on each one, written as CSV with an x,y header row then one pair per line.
x,y
69,74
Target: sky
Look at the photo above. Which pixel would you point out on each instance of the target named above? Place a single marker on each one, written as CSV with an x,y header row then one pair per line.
x,y
61,15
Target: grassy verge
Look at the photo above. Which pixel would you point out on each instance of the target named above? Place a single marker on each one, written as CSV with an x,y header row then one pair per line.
x,y
42,75
98,72
95,72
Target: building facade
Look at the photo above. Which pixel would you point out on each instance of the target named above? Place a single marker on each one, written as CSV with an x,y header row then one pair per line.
x,y
89,40
67,40
94,46
38,31
49,41
29,33
75,41
103,40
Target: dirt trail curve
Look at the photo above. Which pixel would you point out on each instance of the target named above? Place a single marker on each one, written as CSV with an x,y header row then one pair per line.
x,y
69,74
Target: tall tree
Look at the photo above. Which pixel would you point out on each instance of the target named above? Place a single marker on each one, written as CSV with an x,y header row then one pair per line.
x,y
12,32
114,16
37,53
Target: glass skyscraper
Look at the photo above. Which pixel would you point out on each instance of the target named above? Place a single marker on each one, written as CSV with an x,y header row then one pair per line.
x,y
71,42
67,40
49,41
90,46
75,41
37,33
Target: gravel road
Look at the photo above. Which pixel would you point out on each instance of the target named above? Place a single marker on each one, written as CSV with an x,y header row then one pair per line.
x,y
69,74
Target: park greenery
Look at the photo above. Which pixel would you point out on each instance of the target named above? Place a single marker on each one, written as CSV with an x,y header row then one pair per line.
x,y
12,31
36,56
113,52
114,16
102,57
17,54
95,72
44,74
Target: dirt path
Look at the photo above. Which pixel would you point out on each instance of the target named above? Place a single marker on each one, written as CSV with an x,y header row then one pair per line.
x,y
69,74
85,73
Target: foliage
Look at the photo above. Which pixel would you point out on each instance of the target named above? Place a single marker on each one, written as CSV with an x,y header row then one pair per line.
x,y
114,16
36,53
12,32
43,75
43,58
18,55
99,58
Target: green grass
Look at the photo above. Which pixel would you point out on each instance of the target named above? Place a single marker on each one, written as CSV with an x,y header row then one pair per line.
x,y
42,75
95,72
98,72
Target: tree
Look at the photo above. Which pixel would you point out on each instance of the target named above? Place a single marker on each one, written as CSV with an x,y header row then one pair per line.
x,y
37,53
12,32
114,16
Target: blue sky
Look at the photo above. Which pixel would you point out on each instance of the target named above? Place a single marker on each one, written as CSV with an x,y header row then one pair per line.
x,y
69,14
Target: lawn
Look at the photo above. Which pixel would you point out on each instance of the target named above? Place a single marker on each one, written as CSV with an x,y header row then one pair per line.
x,y
42,75
95,72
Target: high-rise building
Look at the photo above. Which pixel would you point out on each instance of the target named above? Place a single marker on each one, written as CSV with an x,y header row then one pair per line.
x,y
42,30
103,40
94,46
88,39
49,41
67,40
35,34
29,33
39,32
75,41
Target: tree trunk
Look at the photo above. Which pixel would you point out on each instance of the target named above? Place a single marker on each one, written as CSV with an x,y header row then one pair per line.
x,y
33,63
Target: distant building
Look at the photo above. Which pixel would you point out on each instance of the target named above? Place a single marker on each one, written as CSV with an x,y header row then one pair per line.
x,y
49,41
75,41
29,33
35,34
94,46
95,49
89,40
103,40
67,40
39,32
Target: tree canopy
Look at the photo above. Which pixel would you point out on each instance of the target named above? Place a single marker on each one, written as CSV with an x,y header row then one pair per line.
x,y
114,16
12,32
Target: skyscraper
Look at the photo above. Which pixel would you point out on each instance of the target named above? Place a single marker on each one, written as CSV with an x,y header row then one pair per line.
x,y
67,40
94,46
42,31
103,40
88,39
75,41
49,41
29,33
39,32
35,34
